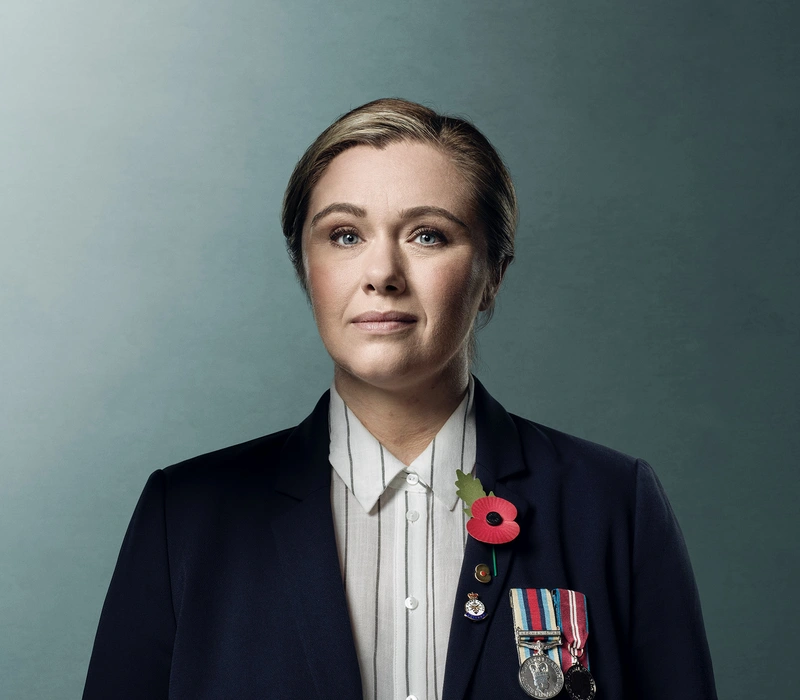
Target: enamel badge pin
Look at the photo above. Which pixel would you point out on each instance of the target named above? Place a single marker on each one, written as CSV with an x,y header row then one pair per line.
x,y
473,609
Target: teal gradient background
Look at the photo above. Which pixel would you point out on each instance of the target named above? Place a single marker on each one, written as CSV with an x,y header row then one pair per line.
x,y
148,312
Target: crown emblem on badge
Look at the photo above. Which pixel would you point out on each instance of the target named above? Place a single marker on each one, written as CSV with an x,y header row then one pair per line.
x,y
474,609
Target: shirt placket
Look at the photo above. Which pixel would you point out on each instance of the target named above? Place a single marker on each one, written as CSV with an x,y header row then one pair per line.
x,y
414,585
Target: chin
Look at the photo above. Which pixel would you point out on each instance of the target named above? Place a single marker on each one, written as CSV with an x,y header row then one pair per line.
x,y
390,371
385,372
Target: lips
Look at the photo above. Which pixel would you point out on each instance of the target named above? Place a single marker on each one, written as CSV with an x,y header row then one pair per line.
x,y
384,321
384,317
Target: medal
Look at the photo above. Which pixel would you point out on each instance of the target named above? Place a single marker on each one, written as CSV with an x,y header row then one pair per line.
x,y
573,621
543,619
537,637
473,609
579,682
540,676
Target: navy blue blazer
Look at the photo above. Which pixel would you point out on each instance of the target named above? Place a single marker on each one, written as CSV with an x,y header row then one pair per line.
x,y
228,583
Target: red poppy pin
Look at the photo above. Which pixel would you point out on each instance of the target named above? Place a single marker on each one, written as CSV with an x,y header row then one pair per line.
x,y
491,518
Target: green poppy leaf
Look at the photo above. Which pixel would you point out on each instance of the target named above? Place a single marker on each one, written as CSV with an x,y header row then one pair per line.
x,y
469,488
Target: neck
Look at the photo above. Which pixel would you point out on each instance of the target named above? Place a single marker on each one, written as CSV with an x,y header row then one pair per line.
x,y
404,420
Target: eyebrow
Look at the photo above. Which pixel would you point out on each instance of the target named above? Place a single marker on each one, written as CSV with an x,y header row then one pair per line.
x,y
415,212
412,213
339,208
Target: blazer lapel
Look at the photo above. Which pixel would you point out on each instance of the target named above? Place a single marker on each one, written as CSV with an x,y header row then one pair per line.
x,y
499,455
309,562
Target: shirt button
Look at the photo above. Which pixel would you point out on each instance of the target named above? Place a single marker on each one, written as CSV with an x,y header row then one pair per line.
x,y
412,479
412,603
411,697
412,516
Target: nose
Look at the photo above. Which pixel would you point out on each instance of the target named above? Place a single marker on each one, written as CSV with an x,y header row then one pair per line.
x,y
384,268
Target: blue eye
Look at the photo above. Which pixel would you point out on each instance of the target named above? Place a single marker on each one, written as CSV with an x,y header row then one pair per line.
x,y
345,238
429,238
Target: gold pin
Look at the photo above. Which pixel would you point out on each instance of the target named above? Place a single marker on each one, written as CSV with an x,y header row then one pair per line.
x,y
482,573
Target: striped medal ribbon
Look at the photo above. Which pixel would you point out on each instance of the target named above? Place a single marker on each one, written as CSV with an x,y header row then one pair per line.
x,y
538,638
573,621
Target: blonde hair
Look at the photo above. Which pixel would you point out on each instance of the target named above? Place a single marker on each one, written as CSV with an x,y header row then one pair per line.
x,y
390,120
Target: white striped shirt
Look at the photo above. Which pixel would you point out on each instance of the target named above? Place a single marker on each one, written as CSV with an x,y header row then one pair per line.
x,y
401,535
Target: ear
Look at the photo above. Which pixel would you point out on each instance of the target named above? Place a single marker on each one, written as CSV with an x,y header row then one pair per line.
x,y
493,285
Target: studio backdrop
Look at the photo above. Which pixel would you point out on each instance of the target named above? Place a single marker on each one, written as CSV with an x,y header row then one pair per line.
x,y
148,311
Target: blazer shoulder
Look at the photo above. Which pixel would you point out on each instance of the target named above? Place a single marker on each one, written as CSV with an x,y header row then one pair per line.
x,y
574,454
593,479
241,463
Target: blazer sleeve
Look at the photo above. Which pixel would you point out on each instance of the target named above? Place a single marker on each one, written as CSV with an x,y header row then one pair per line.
x,y
132,650
669,648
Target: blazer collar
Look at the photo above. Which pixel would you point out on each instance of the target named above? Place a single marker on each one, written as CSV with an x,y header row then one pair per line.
x,y
304,466
309,562
499,448
499,456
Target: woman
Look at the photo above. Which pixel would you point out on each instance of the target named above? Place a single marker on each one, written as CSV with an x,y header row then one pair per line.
x,y
333,559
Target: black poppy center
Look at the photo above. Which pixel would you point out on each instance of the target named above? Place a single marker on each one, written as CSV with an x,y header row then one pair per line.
x,y
494,518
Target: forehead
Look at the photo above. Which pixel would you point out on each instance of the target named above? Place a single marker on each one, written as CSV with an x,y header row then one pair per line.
x,y
399,176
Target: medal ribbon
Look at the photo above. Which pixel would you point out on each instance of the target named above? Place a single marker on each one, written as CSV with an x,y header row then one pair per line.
x,y
533,609
574,623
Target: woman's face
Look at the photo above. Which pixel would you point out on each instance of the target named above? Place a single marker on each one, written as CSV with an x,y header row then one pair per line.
x,y
395,262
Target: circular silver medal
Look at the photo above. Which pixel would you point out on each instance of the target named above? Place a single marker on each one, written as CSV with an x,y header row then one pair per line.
x,y
579,683
541,677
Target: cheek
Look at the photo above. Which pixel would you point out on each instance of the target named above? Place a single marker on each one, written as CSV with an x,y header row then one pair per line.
x,y
455,291
317,279
322,289
330,289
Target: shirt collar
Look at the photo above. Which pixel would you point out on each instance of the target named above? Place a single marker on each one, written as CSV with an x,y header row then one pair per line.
x,y
367,467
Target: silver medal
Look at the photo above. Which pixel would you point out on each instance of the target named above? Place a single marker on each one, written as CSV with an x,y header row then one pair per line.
x,y
540,676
